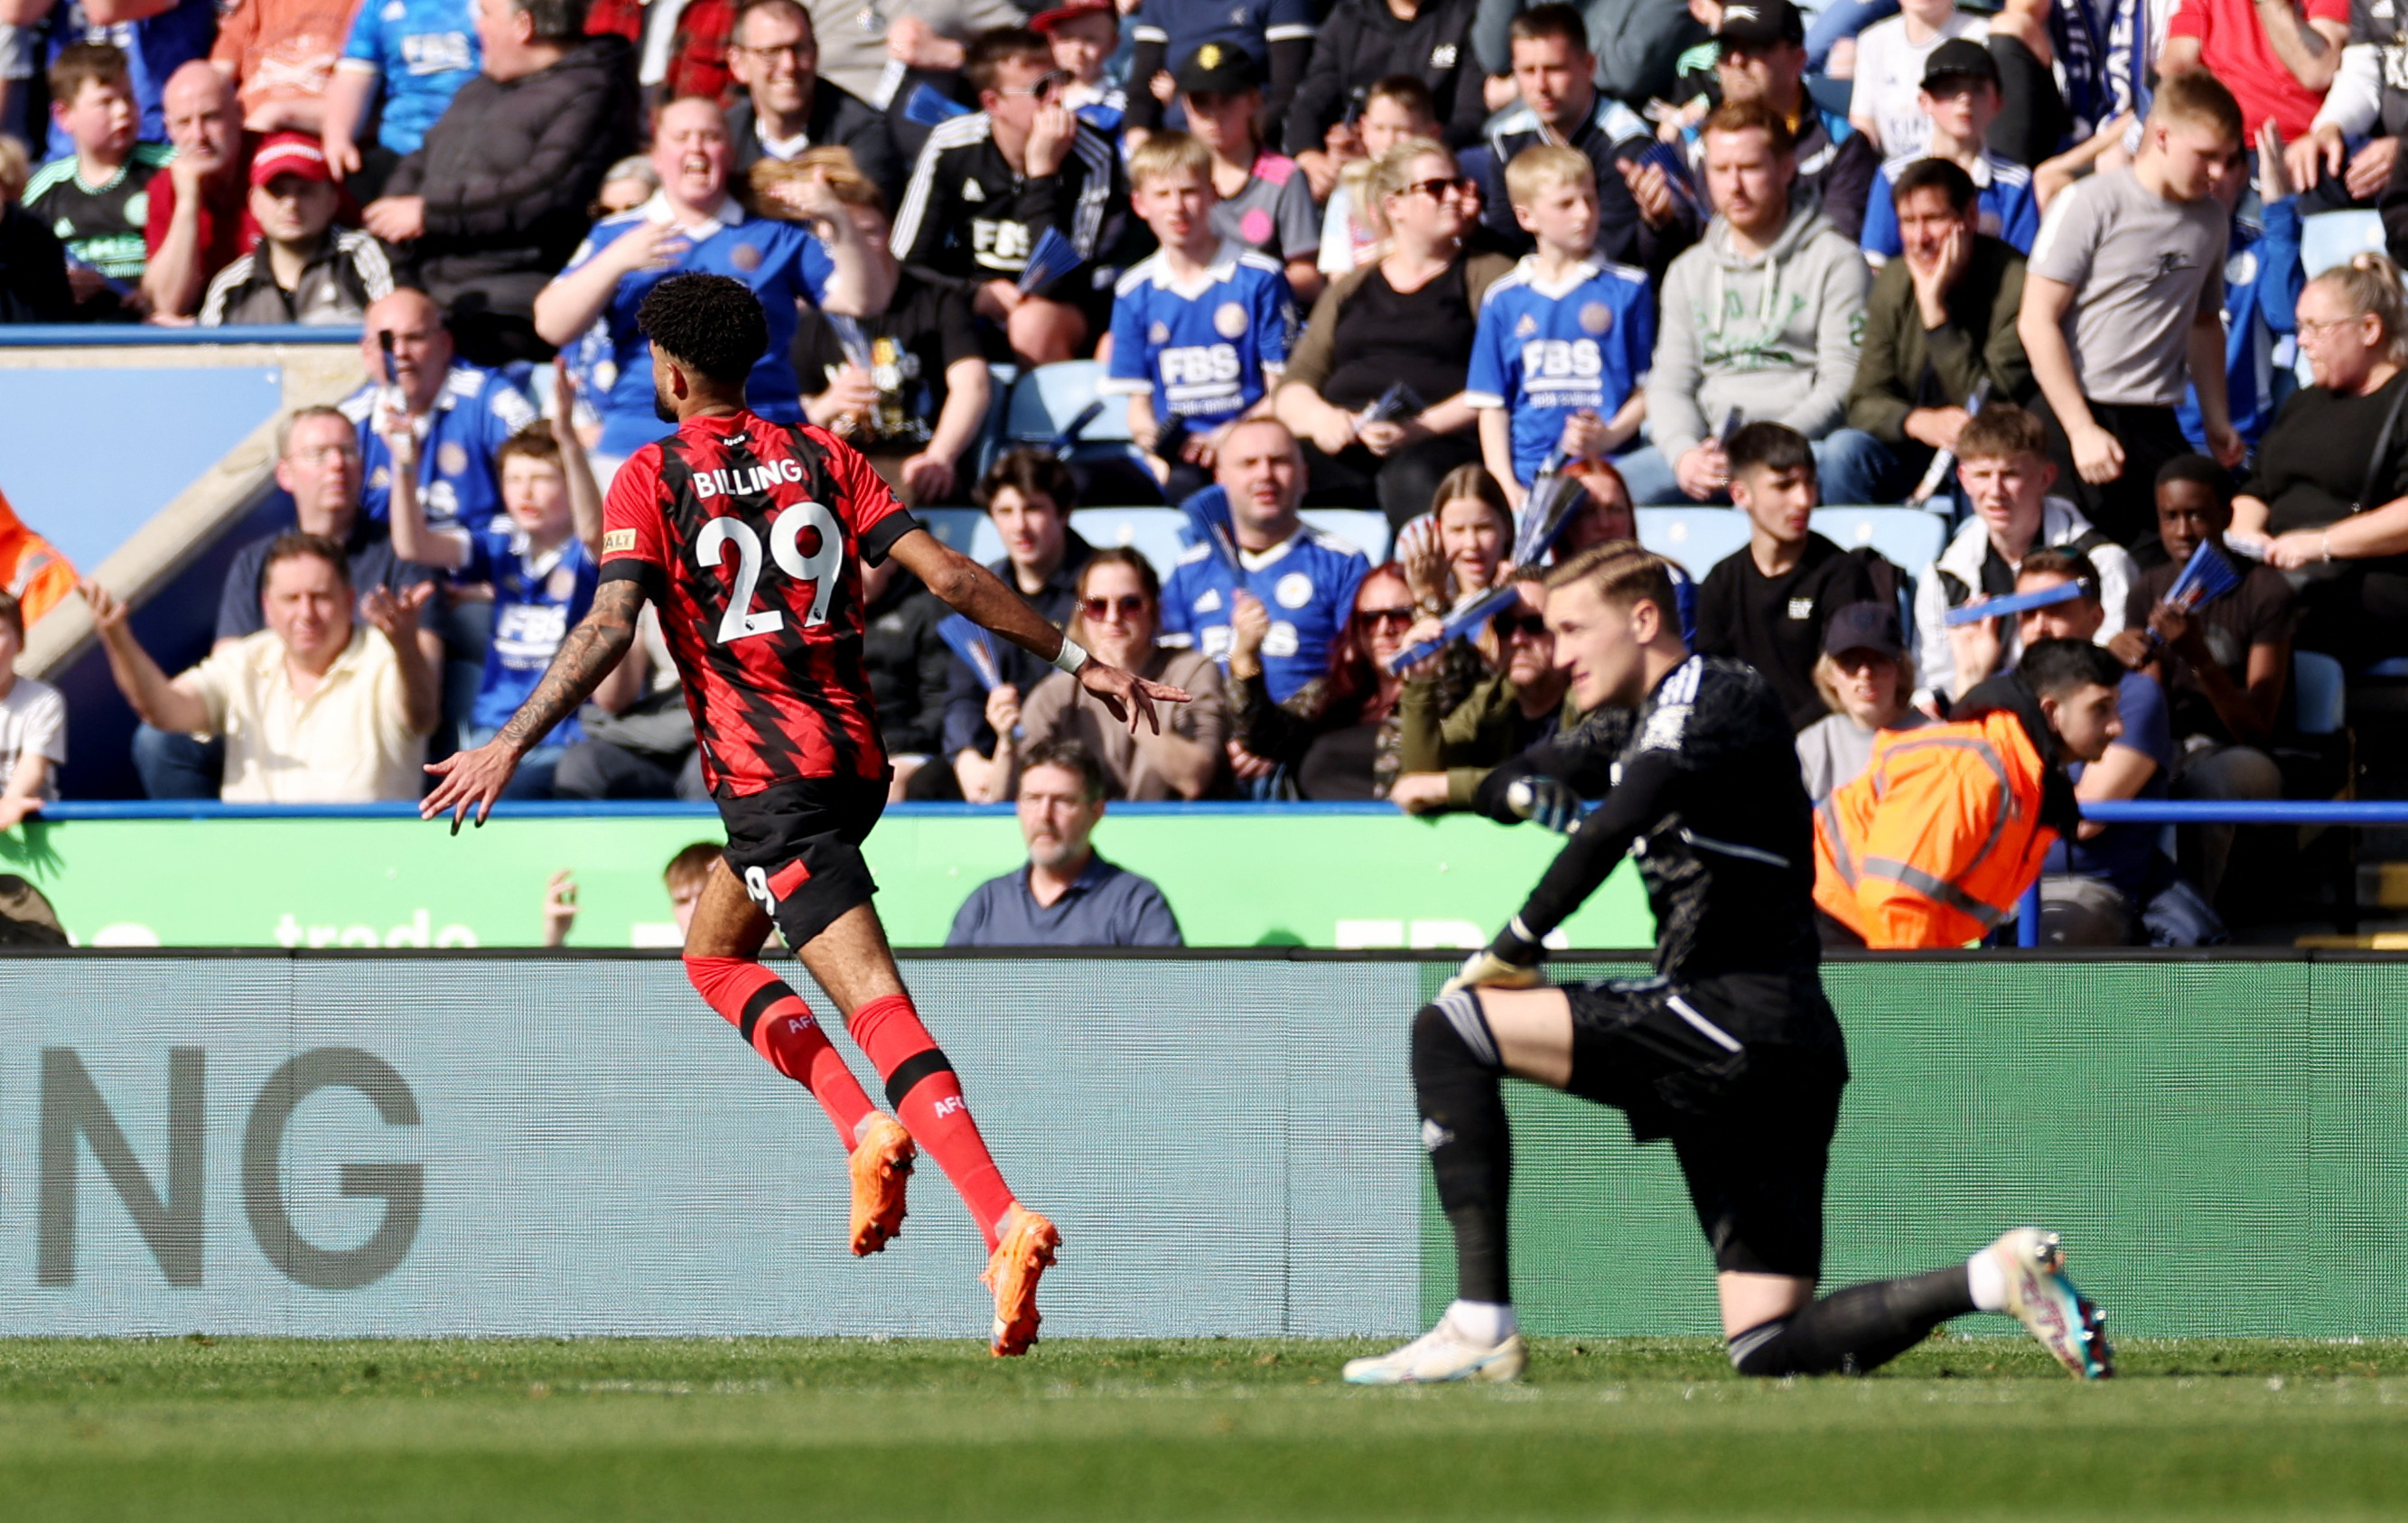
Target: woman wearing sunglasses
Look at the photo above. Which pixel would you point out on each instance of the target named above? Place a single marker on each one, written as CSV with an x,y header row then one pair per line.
x,y
1396,332
1117,615
1339,735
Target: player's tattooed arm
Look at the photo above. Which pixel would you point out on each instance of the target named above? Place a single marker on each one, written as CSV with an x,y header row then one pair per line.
x,y
590,653
472,780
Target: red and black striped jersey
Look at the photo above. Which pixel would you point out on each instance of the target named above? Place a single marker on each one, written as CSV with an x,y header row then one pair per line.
x,y
750,537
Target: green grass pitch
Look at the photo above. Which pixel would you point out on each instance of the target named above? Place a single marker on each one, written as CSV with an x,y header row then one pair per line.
x,y
263,1429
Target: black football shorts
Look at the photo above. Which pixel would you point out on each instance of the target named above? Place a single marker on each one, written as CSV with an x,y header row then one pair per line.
x,y
797,850
1751,1124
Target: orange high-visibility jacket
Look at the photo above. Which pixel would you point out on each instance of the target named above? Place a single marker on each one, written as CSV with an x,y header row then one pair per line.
x,y
1935,843
31,566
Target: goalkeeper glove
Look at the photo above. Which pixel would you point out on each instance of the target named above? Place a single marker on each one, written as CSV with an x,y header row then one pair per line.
x,y
1545,800
1509,962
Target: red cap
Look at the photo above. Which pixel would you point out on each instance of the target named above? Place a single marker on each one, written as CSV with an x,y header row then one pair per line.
x,y
289,153
1046,20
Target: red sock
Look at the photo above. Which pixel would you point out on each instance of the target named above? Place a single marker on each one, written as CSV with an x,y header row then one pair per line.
x,y
778,1024
929,1100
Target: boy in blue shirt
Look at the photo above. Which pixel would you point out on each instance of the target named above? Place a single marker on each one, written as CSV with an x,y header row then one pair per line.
x,y
413,55
1560,357
1961,97
543,568
1200,328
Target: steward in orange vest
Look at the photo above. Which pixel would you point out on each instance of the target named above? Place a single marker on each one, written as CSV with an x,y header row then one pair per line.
x,y
31,567
1935,843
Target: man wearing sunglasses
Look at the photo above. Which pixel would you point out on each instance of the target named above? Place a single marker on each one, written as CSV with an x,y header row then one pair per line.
x,y
990,185
1449,753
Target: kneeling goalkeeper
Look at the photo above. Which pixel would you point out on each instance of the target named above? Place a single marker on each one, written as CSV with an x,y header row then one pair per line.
x,y
1731,1051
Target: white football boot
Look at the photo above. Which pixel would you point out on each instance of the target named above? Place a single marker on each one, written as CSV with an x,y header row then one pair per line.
x,y
1443,1354
2045,1302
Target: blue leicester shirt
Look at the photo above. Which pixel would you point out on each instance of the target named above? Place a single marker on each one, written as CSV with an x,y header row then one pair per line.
x,y
781,261
457,483
2009,210
536,600
421,52
1203,352
153,49
1544,352
1307,582
1182,26
2262,282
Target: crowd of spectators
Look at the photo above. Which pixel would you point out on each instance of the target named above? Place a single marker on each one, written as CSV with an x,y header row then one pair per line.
x,y
1402,254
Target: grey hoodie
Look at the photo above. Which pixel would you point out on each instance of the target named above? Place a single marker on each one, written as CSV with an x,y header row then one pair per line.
x,y
1776,335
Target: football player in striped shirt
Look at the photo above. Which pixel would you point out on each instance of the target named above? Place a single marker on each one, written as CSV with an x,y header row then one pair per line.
x,y
1561,353
751,535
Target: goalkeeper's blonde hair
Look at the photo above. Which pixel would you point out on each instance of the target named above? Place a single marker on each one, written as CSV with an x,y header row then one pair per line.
x,y
1622,573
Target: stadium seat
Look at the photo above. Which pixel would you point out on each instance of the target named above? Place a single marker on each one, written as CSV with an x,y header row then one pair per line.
x,y
2319,694
1696,537
1000,380
1909,538
1152,532
956,528
2333,238
1044,400
1366,531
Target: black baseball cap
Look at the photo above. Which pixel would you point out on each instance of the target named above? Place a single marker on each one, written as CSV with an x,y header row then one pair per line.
x,y
1760,23
1217,68
1864,626
1959,58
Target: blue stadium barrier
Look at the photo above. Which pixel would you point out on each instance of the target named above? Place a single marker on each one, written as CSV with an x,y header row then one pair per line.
x,y
2348,814
146,808
137,335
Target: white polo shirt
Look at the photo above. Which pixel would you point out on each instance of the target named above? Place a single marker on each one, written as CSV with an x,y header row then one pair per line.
x,y
348,742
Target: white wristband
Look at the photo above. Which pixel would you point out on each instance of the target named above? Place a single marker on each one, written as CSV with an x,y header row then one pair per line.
x,y
1072,657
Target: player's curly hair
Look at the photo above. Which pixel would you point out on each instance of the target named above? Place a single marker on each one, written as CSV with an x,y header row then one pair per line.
x,y
712,324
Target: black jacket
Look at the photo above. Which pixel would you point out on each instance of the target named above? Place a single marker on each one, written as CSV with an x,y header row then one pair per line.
x,y
908,664
838,118
1362,42
508,175
33,270
968,218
